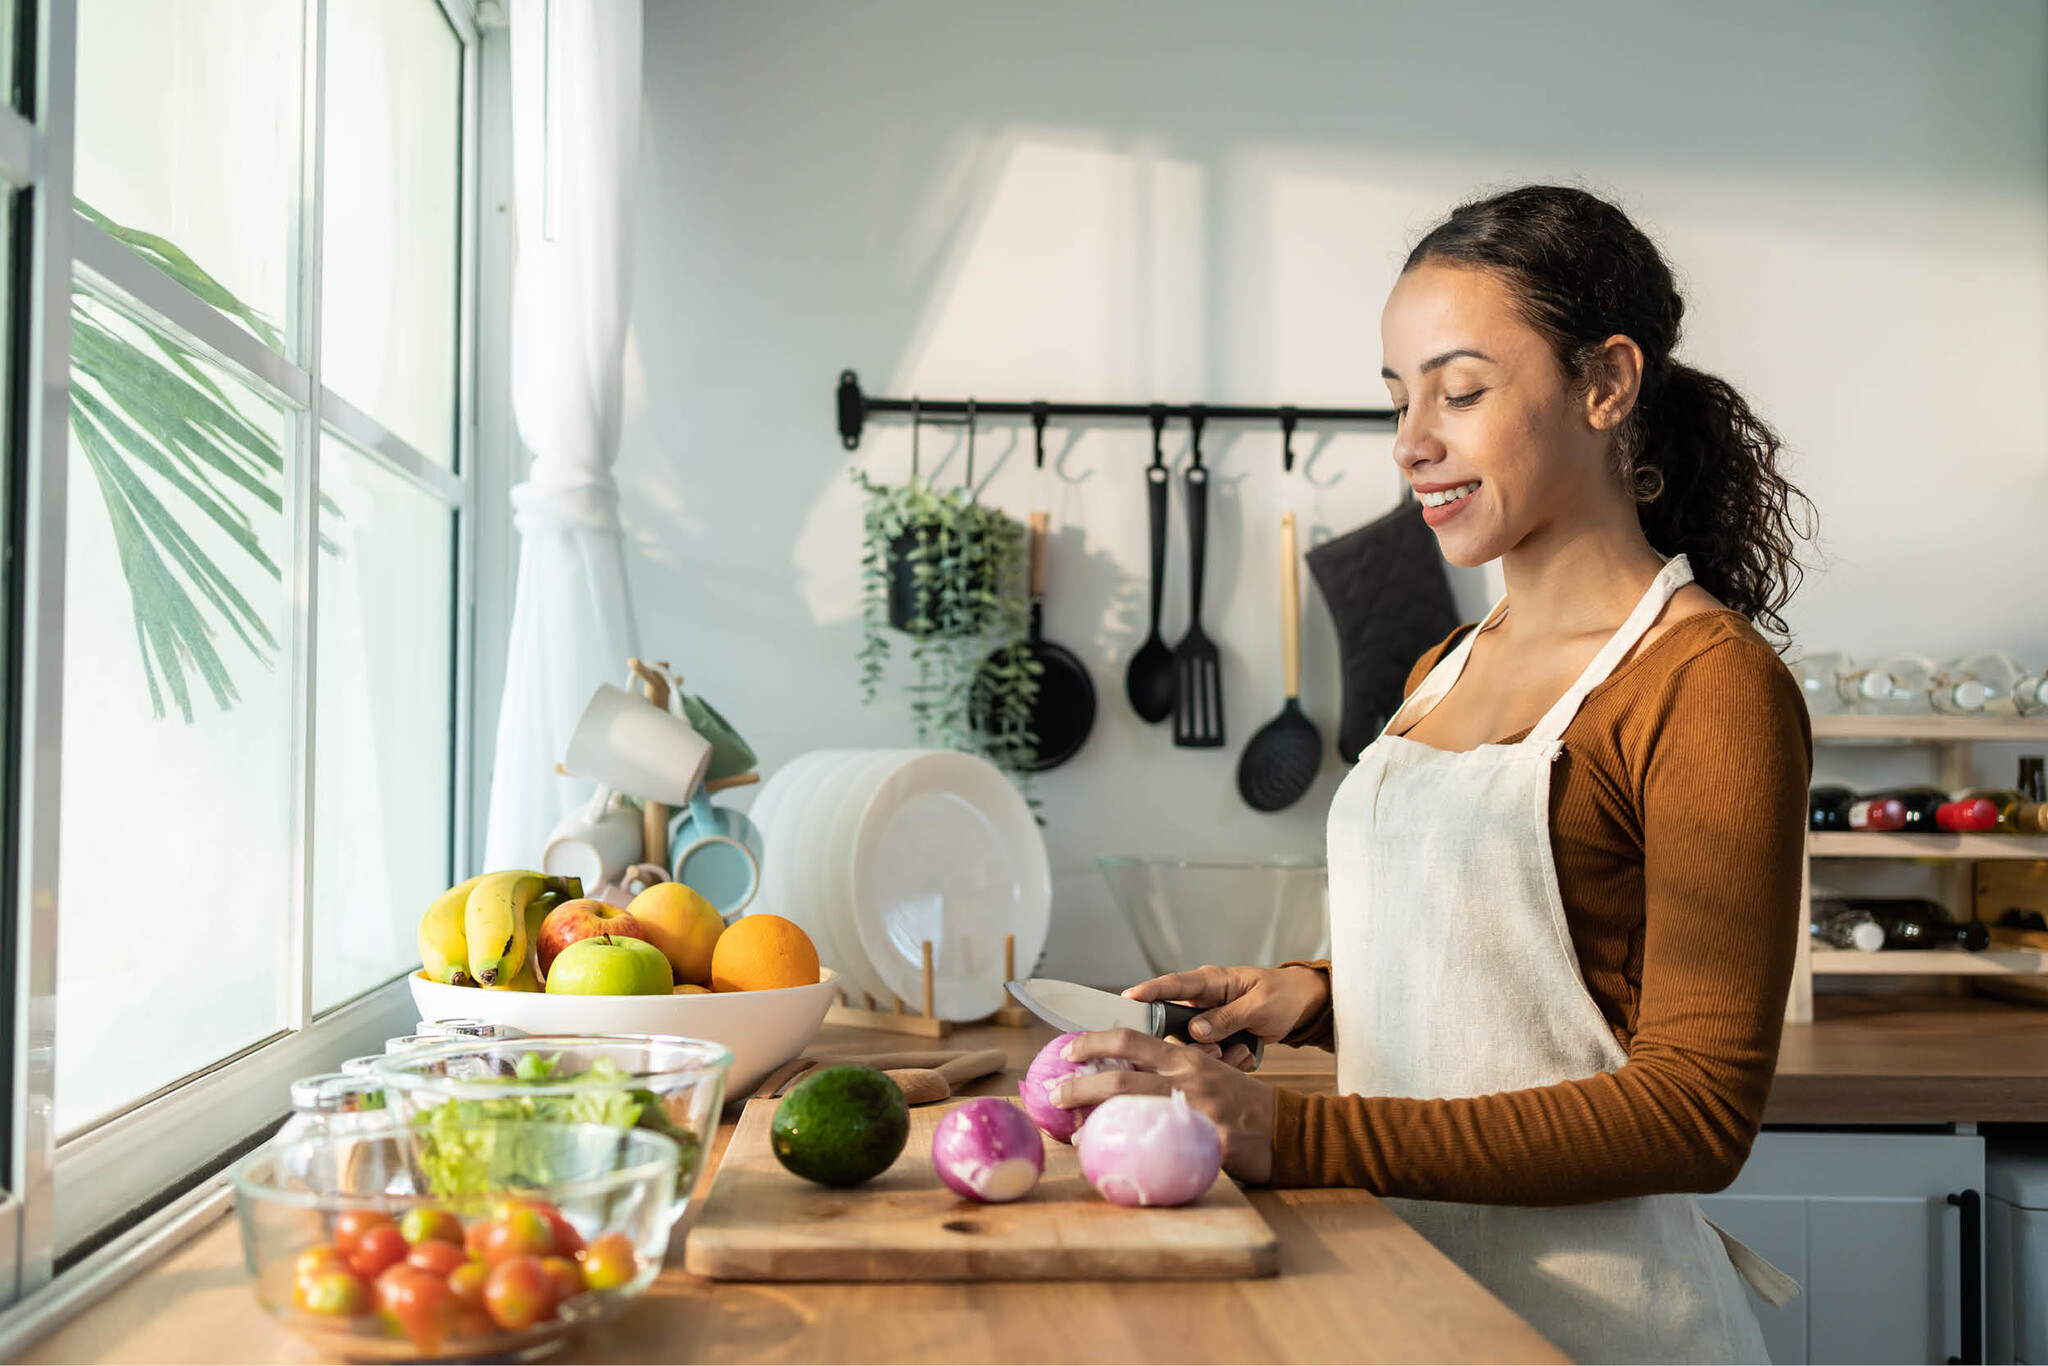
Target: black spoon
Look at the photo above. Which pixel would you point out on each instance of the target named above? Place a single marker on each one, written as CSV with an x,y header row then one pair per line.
x,y
1149,680
1280,764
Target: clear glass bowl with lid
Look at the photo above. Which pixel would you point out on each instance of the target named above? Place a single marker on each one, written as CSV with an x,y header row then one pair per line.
x,y
333,1254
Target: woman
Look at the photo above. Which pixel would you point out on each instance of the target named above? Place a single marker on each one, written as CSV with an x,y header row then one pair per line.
x,y
1564,883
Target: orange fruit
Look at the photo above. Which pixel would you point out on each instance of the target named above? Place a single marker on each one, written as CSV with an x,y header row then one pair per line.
x,y
682,924
763,953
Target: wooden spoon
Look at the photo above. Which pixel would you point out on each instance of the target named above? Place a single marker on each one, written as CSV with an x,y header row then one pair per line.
x,y
922,1085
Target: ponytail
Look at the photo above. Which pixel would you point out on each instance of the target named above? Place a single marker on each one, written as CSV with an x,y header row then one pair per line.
x,y
1702,466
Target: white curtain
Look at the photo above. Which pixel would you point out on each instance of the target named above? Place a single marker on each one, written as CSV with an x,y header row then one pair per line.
x,y
575,147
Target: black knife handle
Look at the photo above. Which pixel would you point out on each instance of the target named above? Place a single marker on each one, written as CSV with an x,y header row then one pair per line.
x,y
1174,1020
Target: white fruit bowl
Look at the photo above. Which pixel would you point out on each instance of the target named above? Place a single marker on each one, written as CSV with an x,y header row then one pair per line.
x,y
763,1029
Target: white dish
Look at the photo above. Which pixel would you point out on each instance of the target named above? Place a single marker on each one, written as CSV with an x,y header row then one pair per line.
x,y
836,820
762,1029
803,901
783,797
948,850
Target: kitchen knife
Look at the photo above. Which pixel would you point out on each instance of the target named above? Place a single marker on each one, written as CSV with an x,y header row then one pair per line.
x,y
1070,1007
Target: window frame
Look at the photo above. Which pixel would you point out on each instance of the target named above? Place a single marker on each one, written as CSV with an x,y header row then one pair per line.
x,y
66,1194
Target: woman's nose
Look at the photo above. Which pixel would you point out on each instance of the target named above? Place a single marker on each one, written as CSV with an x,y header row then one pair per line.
x,y
1416,445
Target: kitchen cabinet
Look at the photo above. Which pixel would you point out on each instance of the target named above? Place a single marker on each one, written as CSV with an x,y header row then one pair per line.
x,y
1863,1219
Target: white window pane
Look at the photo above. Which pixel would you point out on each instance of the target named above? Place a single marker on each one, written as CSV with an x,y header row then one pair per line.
x,y
189,116
389,291
174,870
384,752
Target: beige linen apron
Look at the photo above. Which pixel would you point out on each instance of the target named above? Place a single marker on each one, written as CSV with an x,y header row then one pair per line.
x,y
1453,974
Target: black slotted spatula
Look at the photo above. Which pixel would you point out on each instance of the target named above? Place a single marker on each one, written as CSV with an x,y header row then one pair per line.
x,y
1198,669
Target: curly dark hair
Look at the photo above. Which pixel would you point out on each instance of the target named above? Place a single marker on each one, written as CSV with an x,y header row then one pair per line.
x,y
1702,465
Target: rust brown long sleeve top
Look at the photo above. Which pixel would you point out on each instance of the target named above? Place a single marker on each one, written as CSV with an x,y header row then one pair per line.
x,y
1678,817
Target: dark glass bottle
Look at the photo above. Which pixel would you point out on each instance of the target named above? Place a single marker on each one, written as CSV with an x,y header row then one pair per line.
x,y
1908,922
1827,808
1917,805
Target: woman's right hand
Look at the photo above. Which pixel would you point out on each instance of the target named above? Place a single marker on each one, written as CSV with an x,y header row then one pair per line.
x,y
1271,1002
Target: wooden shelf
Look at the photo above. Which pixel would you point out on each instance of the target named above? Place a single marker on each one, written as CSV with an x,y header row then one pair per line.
x,y
1931,729
1929,963
1876,844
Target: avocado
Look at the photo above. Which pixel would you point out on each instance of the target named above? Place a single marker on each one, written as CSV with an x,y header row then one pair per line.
x,y
841,1126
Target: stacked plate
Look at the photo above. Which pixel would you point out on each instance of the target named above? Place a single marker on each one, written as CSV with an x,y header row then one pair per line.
x,y
878,850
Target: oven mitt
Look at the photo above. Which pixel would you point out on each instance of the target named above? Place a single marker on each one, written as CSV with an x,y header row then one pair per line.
x,y
1391,600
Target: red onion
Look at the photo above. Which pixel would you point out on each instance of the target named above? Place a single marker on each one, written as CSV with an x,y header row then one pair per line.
x,y
1149,1150
1048,1070
988,1150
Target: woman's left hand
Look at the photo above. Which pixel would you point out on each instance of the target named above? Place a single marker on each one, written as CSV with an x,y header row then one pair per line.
x,y
1241,1106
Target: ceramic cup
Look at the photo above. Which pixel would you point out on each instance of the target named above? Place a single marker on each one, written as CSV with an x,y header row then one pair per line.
x,y
722,871
624,743
596,844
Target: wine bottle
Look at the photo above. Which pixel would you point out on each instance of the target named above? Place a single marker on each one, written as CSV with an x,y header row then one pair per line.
x,y
2007,687
2030,818
1848,929
1970,814
1909,922
1878,813
2033,785
1918,806
1827,808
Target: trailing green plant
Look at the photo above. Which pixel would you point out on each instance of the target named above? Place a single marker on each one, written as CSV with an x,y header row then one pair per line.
x,y
165,441
955,568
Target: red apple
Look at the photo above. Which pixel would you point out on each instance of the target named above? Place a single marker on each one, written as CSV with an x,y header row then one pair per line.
x,y
582,919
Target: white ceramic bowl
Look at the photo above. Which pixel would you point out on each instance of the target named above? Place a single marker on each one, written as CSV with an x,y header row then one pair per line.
x,y
763,1029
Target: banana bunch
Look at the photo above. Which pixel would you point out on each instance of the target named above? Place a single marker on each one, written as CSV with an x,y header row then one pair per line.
x,y
483,932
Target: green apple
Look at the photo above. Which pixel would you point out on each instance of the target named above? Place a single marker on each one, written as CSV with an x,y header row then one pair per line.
x,y
611,965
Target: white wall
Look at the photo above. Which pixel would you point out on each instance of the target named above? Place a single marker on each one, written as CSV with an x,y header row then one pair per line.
x,y
1204,200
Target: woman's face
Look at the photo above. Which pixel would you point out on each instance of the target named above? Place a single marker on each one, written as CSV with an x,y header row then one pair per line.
x,y
1492,436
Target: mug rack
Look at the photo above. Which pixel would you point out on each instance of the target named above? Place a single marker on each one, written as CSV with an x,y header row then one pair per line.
x,y
855,408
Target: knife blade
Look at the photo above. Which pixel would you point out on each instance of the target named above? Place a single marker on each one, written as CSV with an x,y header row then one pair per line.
x,y
1072,1008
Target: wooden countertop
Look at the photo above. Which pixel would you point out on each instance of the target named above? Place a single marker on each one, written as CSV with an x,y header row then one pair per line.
x,y
1871,1058
1355,1284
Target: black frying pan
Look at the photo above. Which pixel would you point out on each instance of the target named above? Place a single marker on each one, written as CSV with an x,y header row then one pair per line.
x,y
1064,711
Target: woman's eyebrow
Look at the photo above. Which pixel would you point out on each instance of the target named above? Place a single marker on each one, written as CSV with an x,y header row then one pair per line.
x,y
1438,362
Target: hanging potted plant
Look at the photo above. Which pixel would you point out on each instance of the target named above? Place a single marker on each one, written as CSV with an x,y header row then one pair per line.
x,y
947,571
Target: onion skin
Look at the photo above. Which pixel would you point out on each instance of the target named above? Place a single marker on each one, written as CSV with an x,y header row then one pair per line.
x,y
1049,1069
1150,1150
988,1150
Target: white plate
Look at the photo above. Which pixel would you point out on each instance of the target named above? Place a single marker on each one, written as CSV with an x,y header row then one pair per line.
x,y
786,893
834,822
762,1029
948,851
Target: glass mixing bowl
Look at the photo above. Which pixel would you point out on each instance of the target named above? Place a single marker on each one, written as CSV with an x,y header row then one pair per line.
x,y
1187,912
600,1198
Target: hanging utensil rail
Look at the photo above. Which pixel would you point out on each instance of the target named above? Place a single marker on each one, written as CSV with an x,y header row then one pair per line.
x,y
855,408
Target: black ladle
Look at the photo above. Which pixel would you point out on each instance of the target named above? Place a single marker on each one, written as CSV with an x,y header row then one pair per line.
x,y
1149,681
1280,764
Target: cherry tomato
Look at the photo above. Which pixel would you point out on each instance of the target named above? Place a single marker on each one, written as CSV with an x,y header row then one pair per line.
x,y
316,1260
568,1242
467,1281
430,1226
519,1292
518,1231
351,1225
419,1302
376,1249
566,1276
473,1321
443,1259
339,1292
473,1237
610,1262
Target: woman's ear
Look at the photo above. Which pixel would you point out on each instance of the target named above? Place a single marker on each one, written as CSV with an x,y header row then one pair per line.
x,y
1616,373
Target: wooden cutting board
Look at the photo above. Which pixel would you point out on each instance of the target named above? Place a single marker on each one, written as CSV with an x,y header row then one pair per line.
x,y
761,1223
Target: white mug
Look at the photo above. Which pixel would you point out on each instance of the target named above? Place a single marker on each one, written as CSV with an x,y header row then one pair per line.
x,y
626,743
596,844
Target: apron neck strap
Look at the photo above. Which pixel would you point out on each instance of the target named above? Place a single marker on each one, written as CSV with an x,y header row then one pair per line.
x,y
1676,574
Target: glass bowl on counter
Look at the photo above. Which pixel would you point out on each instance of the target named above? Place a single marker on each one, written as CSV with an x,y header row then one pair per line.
x,y
1188,912
664,1083
403,1243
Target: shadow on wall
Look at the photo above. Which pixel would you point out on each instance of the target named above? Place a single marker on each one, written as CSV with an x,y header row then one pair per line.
x,y
1194,200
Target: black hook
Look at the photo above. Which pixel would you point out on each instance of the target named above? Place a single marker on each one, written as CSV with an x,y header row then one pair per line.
x,y
1158,429
1288,417
1197,415
1040,411
916,425
970,448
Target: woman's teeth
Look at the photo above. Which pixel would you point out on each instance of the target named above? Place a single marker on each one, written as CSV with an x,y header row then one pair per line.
x,y
1446,496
